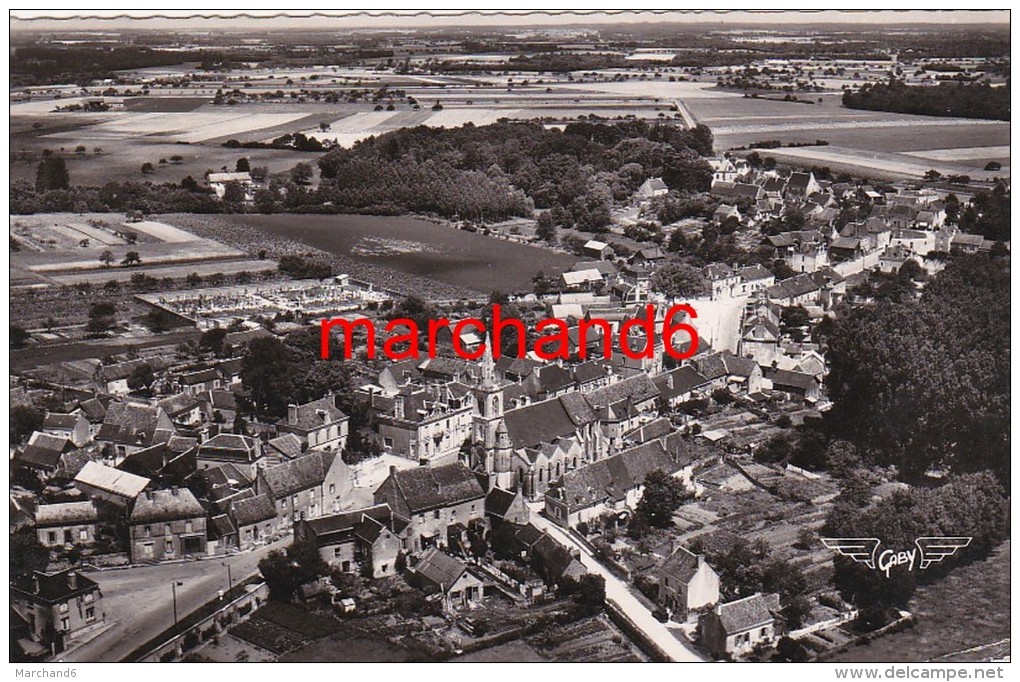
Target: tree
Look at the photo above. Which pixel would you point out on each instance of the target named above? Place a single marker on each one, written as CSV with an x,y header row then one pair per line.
x,y
212,340
131,258
267,375
302,174
281,575
793,320
141,378
233,192
678,280
242,166
158,321
27,554
19,337
25,420
147,168
546,228
663,494
591,593
106,258
52,174
102,318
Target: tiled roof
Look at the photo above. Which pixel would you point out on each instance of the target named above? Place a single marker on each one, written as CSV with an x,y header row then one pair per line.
x,y
744,614
679,381
286,444
637,388
498,501
129,424
439,568
799,380
251,510
612,477
298,474
56,420
230,447
681,563
315,414
165,505
336,527
541,422
199,377
53,587
65,513
426,488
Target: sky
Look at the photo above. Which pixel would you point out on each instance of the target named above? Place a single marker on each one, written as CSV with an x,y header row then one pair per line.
x,y
255,19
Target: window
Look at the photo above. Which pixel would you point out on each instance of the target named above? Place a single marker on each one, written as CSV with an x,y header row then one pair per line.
x,y
188,527
53,537
387,442
64,608
764,632
345,567
89,598
65,623
435,514
148,531
83,535
336,551
90,614
385,567
169,546
332,488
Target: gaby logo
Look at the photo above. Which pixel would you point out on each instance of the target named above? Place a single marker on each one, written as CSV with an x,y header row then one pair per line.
x,y
926,551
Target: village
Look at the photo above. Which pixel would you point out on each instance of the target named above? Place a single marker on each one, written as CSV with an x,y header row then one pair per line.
x,y
481,485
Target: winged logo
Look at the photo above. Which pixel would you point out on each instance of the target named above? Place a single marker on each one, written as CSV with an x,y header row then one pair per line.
x,y
861,550
929,550
934,550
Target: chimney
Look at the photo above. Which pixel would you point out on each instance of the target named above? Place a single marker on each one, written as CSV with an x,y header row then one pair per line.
x,y
291,413
72,580
174,490
701,561
35,583
393,470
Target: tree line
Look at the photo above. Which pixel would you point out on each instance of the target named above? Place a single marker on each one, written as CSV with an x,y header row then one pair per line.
x,y
963,100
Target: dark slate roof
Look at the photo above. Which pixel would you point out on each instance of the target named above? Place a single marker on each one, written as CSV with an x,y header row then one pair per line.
x,y
230,447
199,377
426,488
798,182
315,414
251,510
93,409
129,424
56,420
286,444
650,431
800,380
744,614
43,451
679,381
754,272
298,474
553,378
681,563
498,501
555,557
541,422
165,505
177,404
577,408
221,527
53,587
528,535
798,285
343,526
612,477
439,568
589,371
120,370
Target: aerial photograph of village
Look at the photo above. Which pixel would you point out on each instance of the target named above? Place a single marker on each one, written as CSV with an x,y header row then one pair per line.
x,y
217,454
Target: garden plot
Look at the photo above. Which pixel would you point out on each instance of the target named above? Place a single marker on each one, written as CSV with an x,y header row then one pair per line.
x,y
78,231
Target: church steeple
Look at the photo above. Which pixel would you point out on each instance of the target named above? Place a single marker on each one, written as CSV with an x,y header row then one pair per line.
x,y
488,365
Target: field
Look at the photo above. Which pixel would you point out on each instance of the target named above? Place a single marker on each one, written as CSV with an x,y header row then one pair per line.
x,y
418,247
60,248
968,609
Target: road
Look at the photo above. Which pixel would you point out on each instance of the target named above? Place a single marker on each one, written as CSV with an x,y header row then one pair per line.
x,y
139,601
618,592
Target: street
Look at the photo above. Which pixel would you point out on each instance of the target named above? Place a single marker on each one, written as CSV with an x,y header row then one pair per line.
x,y
139,601
619,593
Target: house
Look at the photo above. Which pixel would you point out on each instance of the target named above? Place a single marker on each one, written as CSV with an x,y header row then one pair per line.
x,y
218,183
581,280
128,427
166,463
253,517
722,278
735,628
113,379
759,338
358,540
283,448
507,505
611,484
966,243
652,187
554,561
59,607
678,385
621,405
686,583
219,406
117,487
312,485
166,524
801,186
244,452
725,370
439,573
66,523
726,211
43,453
184,409
427,424
596,249
73,427
648,255
797,385
201,381
736,190
439,503
320,424
754,278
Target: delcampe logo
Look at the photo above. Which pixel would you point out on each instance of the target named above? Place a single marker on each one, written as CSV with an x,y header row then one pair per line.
x,y
927,551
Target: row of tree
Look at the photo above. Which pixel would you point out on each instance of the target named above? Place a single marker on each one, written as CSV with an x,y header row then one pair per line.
x,y
958,99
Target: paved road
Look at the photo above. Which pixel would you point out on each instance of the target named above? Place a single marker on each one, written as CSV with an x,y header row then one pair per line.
x,y
619,593
139,601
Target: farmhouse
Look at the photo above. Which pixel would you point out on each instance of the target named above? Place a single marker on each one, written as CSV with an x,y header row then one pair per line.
x,y
442,574
66,523
166,524
735,628
320,424
686,583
